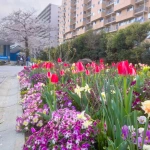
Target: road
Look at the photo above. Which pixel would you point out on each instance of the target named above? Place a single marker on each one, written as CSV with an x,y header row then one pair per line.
x,y
10,108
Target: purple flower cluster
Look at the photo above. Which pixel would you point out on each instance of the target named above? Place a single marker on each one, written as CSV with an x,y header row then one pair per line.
x,y
23,77
63,100
39,77
64,131
130,132
32,105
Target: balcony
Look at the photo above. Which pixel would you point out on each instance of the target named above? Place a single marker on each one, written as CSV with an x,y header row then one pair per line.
x,y
88,1
110,20
140,19
99,15
89,27
88,14
125,16
141,1
123,4
109,12
109,3
99,24
73,34
88,21
88,7
111,29
140,9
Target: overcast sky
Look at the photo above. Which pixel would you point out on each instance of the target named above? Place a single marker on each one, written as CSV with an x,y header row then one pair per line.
x,y
8,6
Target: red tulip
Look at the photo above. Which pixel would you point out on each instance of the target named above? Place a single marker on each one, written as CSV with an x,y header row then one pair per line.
x,y
74,71
79,67
62,72
88,65
59,60
49,75
125,69
97,69
102,66
93,64
66,65
87,72
132,70
101,61
49,65
113,64
54,78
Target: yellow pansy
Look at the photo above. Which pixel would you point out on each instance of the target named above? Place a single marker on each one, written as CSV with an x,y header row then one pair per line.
x,y
25,123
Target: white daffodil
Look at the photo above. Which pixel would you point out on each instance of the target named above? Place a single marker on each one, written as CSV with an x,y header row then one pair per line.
x,y
81,116
87,88
78,90
87,123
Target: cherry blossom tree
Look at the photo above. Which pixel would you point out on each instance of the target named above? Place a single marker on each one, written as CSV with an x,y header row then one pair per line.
x,y
25,29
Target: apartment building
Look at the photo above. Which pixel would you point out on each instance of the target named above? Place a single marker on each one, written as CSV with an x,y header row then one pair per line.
x,y
61,24
50,16
108,15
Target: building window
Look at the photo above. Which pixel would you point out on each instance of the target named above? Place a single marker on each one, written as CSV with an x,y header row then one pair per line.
x,y
116,2
99,2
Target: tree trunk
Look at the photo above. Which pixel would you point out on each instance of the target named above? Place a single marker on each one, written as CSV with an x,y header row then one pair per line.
x,y
27,47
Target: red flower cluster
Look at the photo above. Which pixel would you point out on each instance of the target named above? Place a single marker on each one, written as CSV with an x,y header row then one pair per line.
x,y
124,68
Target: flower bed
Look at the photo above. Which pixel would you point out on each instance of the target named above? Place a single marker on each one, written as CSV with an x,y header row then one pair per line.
x,y
80,107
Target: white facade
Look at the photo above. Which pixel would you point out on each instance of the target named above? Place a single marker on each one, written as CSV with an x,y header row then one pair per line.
x,y
50,16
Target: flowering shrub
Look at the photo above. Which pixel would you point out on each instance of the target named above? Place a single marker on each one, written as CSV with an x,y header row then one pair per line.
x,y
66,130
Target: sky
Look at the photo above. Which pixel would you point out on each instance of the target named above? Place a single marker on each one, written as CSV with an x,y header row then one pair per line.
x,y
8,6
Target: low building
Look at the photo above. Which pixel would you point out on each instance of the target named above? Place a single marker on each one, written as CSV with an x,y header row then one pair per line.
x,y
14,52
5,50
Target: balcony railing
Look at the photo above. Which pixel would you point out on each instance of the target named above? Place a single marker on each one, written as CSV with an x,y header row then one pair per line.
x,y
109,3
88,14
111,29
89,6
141,9
88,27
110,20
140,20
137,1
88,22
109,12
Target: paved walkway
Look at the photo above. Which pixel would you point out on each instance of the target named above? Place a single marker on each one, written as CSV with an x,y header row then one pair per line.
x,y
9,108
